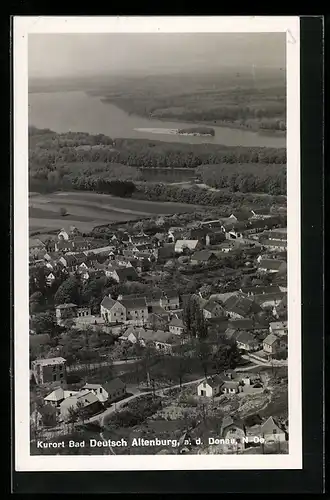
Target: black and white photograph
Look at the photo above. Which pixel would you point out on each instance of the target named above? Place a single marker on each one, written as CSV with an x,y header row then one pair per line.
x,y
157,211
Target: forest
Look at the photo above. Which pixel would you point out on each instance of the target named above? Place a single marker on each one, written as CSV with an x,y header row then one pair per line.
x,y
93,162
224,98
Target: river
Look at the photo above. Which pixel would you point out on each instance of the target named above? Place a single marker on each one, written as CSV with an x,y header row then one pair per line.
x,y
78,112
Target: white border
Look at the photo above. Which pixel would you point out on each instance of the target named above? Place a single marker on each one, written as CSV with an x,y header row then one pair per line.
x,y
28,25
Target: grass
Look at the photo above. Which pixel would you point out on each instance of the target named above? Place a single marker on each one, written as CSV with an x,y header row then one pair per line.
x,y
87,210
39,213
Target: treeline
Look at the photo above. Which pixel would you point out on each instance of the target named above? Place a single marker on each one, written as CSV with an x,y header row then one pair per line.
x,y
46,151
217,106
199,196
245,178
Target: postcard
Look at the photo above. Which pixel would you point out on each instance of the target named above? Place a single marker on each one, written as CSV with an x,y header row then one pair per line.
x,y
157,243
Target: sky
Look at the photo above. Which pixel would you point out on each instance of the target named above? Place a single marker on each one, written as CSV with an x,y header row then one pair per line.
x,y
65,55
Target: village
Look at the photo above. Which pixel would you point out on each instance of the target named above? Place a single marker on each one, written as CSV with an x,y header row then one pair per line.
x,y
158,329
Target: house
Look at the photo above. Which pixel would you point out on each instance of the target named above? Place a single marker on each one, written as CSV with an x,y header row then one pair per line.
x,y
234,231
239,307
49,370
203,257
174,233
70,262
164,341
110,391
50,278
165,252
56,397
182,245
233,432
125,274
230,387
170,300
269,299
136,310
64,246
84,311
227,246
212,309
80,244
279,328
259,290
63,235
241,216
132,334
176,326
35,246
278,235
115,389
85,401
272,432
272,266
246,341
198,234
271,344
112,311
65,311
210,387
274,245
215,237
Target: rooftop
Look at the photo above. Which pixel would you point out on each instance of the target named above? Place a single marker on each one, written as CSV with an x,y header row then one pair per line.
x,y
50,361
70,305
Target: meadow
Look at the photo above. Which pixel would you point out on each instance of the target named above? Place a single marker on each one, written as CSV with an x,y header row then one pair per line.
x,y
87,210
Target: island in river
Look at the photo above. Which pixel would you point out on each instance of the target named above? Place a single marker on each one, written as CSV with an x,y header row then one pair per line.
x,y
196,131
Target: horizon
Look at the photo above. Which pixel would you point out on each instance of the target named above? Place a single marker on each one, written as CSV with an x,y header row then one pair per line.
x,y
116,54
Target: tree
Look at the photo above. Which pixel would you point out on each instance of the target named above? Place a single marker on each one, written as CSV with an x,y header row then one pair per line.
x,y
226,356
194,320
63,211
69,291
203,352
45,322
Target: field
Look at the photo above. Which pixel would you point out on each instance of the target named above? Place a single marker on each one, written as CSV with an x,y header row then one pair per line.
x,y
87,210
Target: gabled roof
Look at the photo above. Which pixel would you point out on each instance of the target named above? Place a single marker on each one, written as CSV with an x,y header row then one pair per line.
x,y
260,299
51,361
176,322
270,425
191,244
108,303
278,325
211,305
259,290
203,255
216,380
126,272
270,339
271,264
228,421
87,398
231,384
35,242
246,338
114,384
241,324
56,395
136,303
70,305
171,294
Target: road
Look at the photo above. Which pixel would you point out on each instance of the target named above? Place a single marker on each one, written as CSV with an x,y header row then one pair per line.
x,y
159,392
74,368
